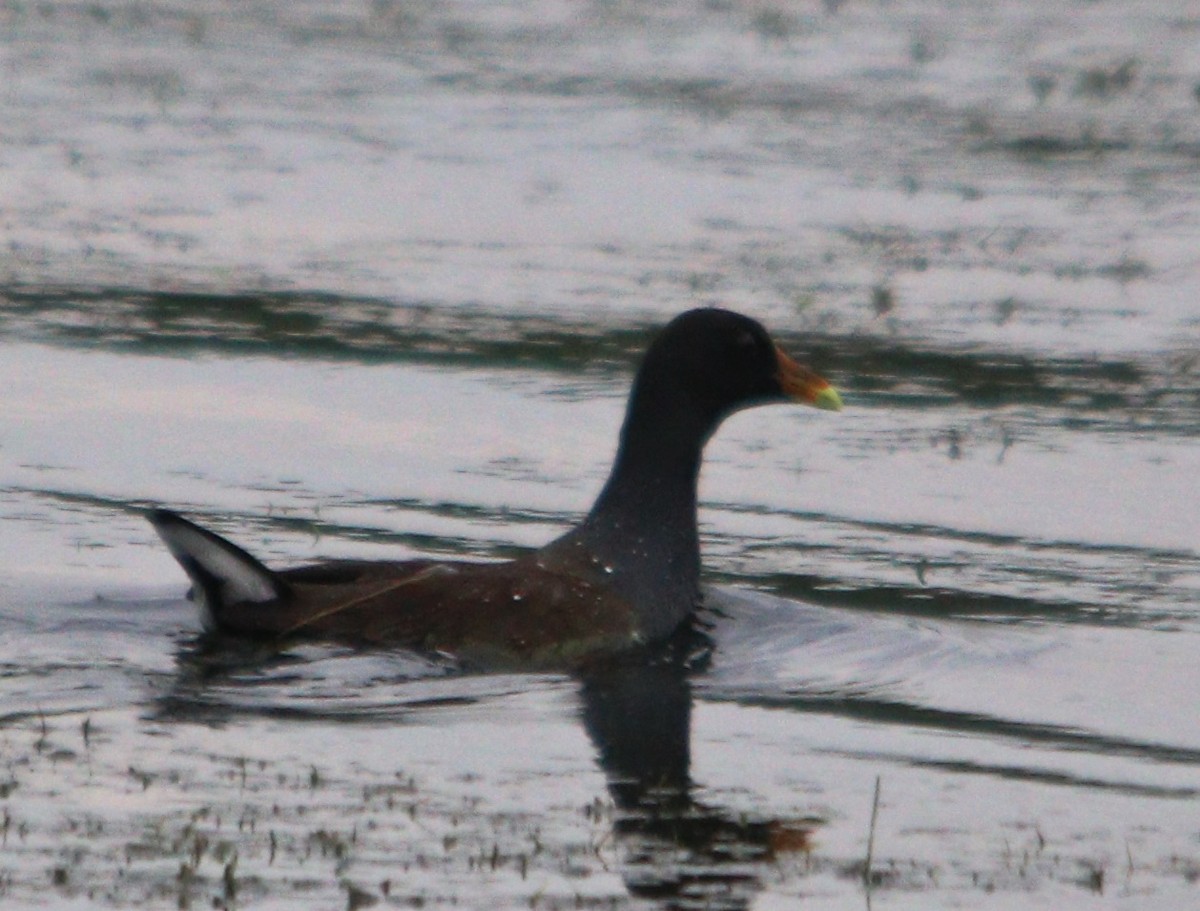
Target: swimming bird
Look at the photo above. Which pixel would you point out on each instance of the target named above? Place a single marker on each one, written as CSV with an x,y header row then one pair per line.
x,y
626,576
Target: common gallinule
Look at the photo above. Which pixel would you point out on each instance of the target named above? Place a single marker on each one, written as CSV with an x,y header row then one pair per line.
x,y
626,576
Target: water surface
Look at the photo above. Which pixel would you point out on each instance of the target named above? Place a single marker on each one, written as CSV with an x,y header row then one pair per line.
x,y
369,280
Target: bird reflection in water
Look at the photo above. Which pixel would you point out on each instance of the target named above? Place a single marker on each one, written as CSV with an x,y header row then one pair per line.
x,y
673,848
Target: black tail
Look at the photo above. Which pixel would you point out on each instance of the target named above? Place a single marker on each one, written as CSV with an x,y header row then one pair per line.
x,y
222,573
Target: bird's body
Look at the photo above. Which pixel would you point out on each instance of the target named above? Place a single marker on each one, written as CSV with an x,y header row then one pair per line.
x,y
526,612
628,575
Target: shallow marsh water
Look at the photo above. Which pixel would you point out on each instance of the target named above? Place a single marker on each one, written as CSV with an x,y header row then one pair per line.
x,y
369,279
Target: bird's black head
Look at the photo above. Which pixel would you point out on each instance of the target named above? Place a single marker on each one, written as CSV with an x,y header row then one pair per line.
x,y
718,362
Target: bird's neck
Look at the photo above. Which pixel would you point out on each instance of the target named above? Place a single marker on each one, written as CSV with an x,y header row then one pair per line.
x,y
652,485
642,530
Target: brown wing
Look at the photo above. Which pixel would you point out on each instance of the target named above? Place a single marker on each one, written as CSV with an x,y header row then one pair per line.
x,y
492,614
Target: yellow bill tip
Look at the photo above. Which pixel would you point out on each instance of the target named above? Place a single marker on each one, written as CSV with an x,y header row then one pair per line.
x,y
803,384
828,399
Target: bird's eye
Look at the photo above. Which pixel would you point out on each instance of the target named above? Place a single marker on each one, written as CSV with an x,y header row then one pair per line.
x,y
745,340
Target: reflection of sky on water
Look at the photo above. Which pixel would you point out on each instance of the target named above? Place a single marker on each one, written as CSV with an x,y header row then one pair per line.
x,y
448,228
577,161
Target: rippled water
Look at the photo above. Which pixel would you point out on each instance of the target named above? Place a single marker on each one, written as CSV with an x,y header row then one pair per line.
x,y
370,279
